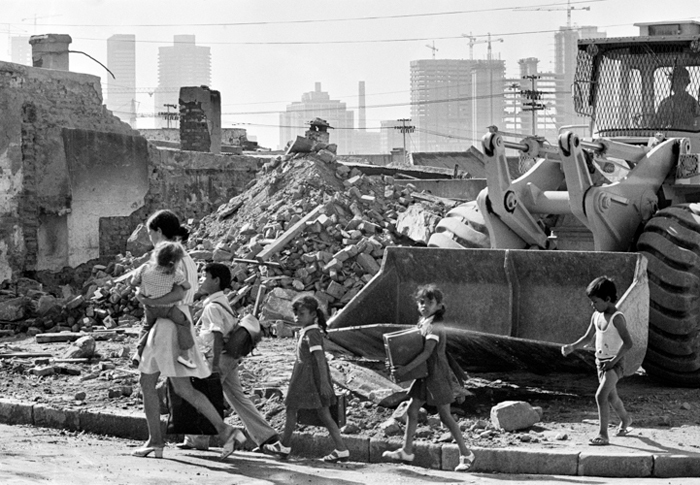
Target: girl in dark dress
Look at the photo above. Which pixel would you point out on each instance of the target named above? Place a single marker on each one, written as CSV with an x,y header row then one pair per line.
x,y
436,388
310,386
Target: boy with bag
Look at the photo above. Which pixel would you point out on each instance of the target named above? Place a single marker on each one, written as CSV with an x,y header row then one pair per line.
x,y
216,327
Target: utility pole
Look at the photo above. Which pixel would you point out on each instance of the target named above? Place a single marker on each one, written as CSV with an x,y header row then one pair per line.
x,y
404,128
167,114
533,95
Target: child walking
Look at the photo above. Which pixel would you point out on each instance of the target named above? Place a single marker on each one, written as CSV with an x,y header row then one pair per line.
x,y
310,386
157,278
612,341
436,388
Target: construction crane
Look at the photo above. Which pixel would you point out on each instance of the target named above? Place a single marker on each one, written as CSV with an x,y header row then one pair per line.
x,y
568,9
35,18
432,48
472,41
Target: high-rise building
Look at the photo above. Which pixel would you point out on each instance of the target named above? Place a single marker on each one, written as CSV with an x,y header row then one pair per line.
x,y
21,50
182,64
441,108
121,89
565,53
487,98
318,104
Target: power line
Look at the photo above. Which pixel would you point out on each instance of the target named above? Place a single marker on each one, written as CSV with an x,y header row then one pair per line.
x,y
307,21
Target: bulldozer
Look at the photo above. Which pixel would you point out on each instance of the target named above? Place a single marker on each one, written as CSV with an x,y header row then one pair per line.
x,y
622,199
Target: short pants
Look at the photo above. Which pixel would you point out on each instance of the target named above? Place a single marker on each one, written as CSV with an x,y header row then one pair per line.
x,y
618,368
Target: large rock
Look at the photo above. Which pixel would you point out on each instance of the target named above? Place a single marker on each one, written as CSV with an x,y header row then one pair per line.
x,y
514,415
82,348
13,309
139,243
278,304
417,223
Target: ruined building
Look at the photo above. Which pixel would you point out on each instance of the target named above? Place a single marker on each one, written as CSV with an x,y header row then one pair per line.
x,y
76,180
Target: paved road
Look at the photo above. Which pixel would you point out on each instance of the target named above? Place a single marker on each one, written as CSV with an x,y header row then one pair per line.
x,y
48,456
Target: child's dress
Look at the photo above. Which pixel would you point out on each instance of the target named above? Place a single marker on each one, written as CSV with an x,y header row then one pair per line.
x,y
304,391
436,388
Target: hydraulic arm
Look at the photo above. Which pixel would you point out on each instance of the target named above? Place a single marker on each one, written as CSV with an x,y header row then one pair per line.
x,y
562,184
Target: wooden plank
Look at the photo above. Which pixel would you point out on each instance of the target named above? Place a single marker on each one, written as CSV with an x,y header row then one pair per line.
x,y
288,235
24,355
47,338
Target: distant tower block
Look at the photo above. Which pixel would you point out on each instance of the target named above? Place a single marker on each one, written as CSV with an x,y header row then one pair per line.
x,y
50,51
361,113
200,119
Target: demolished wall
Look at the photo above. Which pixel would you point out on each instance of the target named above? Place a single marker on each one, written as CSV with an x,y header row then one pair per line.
x,y
192,184
37,104
76,181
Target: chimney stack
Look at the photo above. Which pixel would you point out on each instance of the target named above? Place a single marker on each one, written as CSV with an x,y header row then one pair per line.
x,y
50,51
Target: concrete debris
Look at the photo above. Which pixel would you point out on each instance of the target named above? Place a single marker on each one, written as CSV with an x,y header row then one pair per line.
x,y
13,309
139,243
84,347
514,415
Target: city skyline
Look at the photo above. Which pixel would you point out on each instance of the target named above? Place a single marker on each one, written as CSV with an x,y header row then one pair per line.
x,y
265,55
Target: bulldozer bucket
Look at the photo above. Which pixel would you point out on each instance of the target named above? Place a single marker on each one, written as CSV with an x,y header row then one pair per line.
x,y
514,306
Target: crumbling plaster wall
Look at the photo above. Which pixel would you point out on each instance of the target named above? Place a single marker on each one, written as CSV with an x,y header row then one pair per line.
x,y
37,104
75,181
191,184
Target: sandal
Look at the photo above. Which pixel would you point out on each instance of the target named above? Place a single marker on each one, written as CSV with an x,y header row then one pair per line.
x,y
624,430
337,456
278,449
598,441
399,455
465,462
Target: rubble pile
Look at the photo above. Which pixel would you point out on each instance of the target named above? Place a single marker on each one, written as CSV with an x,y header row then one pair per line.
x,y
305,224
319,226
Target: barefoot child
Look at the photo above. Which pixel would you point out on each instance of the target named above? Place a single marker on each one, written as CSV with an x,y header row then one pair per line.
x,y
310,386
612,341
436,388
157,278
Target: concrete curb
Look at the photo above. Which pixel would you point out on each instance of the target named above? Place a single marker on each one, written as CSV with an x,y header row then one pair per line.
x,y
369,450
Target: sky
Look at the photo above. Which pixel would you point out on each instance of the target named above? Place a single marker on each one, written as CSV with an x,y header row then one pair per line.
x,y
266,53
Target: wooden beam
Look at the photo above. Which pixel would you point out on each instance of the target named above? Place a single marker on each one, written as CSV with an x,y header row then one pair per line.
x,y
288,235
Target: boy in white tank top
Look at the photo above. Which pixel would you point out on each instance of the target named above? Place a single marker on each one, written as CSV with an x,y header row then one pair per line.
x,y
612,341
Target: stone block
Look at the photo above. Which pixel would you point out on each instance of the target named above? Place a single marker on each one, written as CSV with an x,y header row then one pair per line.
x,y
615,465
428,455
513,415
13,309
667,466
220,255
116,424
202,254
15,412
379,446
139,243
417,223
391,427
516,460
367,263
311,444
336,290
46,416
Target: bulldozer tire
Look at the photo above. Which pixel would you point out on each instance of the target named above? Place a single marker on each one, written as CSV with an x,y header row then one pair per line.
x,y
462,227
671,243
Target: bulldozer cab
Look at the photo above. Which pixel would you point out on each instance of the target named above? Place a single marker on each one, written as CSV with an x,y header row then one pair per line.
x,y
639,86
